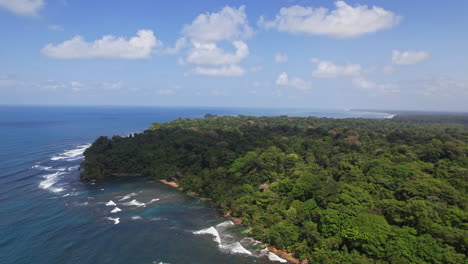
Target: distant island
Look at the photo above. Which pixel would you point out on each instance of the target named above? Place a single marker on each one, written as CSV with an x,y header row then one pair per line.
x,y
325,190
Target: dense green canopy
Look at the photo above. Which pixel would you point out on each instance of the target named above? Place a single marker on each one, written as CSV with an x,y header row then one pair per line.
x,y
328,190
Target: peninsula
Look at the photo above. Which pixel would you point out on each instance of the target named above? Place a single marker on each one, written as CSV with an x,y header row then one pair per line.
x,y
326,190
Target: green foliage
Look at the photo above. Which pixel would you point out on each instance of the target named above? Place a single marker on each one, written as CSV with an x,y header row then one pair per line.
x,y
329,190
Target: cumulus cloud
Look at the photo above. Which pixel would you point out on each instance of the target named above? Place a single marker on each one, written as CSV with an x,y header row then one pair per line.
x,y
205,34
228,24
409,57
296,83
23,7
345,21
227,71
179,45
211,54
281,58
138,47
353,72
327,69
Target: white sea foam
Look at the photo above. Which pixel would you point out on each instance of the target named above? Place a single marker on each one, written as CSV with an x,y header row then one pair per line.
x,y
116,220
271,256
116,210
235,248
71,155
110,203
128,196
49,181
136,217
225,224
134,203
211,231
73,168
153,200
40,167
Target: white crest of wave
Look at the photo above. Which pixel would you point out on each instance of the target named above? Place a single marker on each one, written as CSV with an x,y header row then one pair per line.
x,y
116,220
73,168
153,200
128,196
235,248
136,217
135,203
49,181
110,203
211,231
228,223
272,256
40,167
71,155
116,210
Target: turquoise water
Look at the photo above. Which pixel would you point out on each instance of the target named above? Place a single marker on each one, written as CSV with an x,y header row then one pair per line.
x,y
47,215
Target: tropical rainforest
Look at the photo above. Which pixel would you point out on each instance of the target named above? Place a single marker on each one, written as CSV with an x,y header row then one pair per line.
x,y
327,190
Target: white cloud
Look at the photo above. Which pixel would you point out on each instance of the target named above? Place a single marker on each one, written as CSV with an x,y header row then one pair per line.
x,y
205,34
179,45
211,54
23,7
353,72
377,88
138,47
296,83
281,58
343,22
228,24
442,87
409,57
327,69
226,70
111,85
76,86
363,83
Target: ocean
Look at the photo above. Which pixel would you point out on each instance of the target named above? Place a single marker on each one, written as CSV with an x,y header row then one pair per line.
x,y
47,215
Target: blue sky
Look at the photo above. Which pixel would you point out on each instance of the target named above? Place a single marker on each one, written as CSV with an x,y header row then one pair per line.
x,y
388,54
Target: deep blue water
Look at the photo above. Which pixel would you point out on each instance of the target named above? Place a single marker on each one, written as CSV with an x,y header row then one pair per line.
x,y
48,216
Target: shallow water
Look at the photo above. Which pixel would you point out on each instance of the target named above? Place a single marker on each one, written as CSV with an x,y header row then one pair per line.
x,y
47,215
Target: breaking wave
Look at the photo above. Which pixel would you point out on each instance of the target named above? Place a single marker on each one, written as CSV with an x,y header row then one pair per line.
x,y
128,196
116,210
116,220
73,154
49,180
230,247
134,203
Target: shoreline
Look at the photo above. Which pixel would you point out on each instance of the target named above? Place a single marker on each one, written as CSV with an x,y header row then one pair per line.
x,y
238,221
172,183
